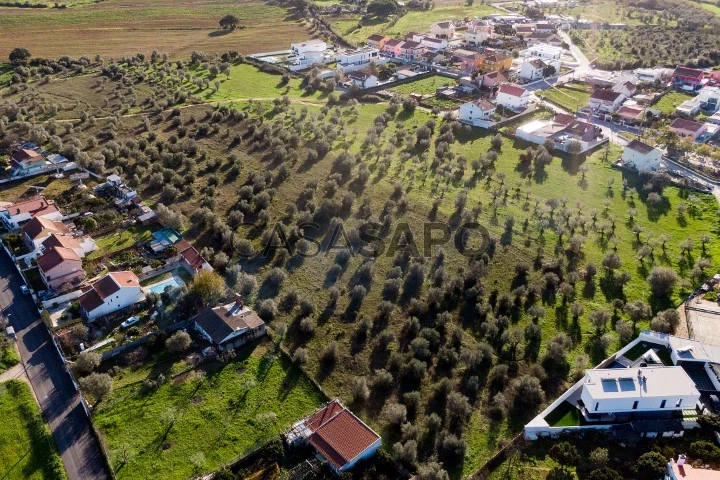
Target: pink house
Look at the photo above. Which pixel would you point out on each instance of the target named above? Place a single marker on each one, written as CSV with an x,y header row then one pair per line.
x,y
60,267
393,47
687,128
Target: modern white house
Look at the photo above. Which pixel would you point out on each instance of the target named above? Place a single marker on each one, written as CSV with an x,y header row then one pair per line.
x,y
627,89
512,96
338,436
638,391
433,44
229,326
544,51
358,57
708,99
115,291
477,113
649,389
642,156
532,69
310,47
14,215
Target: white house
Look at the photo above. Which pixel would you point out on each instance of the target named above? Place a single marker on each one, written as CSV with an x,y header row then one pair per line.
x,y
16,214
642,156
477,113
544,51
113,292
338,436
532,69
476,35
710,98
362,79
229,326
605,100
433,44
310,47
512,96
359,56
647,389
444,29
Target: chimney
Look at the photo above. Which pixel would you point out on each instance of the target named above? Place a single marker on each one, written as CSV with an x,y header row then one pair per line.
x,y
239,300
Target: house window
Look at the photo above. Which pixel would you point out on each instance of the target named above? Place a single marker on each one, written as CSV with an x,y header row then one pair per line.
x,y
679,402
597,404
635,405
662,404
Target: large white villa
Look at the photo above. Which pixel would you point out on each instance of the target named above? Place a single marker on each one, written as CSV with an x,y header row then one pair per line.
x,y
649,388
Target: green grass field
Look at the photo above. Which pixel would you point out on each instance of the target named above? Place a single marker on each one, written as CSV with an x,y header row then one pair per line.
x,y
711,7
413,21
27,450
424,86
216,417
9,357
119,240
670,101
568,98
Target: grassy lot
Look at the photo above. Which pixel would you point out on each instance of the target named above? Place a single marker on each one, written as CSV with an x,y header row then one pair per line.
x,y
610,12
423,86
119,240
671,100
565,415
27,450
114,30
219,414
568,98
710,7
413,21
9,357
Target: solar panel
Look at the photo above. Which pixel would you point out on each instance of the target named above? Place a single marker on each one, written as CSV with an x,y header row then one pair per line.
x,y
626,384
609,385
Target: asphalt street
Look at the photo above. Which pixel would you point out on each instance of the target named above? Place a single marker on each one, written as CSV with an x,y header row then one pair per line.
x,y
50,381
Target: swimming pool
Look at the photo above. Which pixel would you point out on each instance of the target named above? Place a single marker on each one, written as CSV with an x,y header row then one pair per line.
x,y
161,286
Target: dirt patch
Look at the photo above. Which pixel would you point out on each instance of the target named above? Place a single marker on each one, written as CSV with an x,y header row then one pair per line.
x,y
197,400
167,446
240,371
182,378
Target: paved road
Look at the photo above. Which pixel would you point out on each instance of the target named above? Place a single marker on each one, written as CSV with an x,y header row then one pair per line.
x,y
50,381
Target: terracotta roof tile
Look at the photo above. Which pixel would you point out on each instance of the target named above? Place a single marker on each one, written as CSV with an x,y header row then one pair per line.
x,y
684,124
689,72
343,438
605,95
639,146
512,90
35,227
56,256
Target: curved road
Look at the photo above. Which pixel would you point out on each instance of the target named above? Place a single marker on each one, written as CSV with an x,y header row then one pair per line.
x,y
54,390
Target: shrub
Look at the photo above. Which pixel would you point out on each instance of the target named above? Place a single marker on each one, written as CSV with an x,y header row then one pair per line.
x,y
565,453
87,362
178,342
361,392
300,355
651,465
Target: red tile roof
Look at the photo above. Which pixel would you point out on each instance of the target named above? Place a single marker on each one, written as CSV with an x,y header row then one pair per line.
x,y
688,72
485,105
629,112
393,42
684,124
376,37
537,63
343,437
56,256
564,118
410,44
33,206
639,146
605,95
512,90
67,241
26,154
190,254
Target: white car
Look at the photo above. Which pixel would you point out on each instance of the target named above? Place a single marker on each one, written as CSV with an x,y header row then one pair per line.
x,y
130,322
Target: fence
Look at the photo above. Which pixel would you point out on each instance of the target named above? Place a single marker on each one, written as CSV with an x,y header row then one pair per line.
x,y
117,351
159,271
52,302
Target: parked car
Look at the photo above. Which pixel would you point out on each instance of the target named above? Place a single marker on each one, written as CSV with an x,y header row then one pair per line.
x,y
24,289
130,322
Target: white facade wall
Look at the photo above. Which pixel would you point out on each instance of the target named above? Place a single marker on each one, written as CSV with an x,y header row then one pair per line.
x,y
510,101
472,114
529,72
369,452
359,56
642,161
644,404
123,298
476,36
306,48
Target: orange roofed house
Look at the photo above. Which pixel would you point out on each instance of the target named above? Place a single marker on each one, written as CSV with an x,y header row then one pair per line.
x,y
338,436
113,292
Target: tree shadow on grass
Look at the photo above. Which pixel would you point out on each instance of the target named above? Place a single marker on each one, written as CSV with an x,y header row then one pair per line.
x,y
219,33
